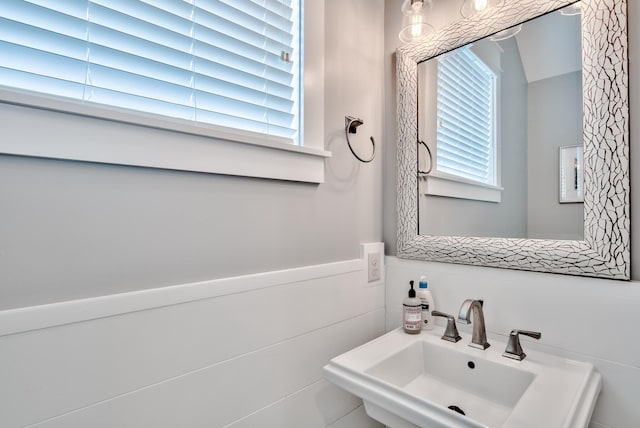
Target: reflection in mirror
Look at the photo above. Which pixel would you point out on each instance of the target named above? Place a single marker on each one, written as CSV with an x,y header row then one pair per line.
x,y
571,169
494,115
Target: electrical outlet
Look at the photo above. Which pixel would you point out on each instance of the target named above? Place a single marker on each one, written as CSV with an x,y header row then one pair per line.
x,y
373,264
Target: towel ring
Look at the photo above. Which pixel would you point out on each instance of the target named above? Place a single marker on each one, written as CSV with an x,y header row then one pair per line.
x,y
350,125
430,158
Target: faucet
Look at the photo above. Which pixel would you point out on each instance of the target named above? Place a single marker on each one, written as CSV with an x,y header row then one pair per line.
x,y
451,333
479,338
514,350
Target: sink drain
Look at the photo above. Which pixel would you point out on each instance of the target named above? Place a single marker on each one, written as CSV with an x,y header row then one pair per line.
x,y
457,409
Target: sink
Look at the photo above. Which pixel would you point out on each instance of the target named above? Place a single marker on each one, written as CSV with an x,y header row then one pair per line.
x,y
446,377
409,381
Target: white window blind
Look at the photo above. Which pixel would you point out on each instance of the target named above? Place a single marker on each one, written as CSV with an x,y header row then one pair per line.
x,y
466,141
228,63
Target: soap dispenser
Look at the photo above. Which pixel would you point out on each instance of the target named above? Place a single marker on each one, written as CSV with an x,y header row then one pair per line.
x,y
412,312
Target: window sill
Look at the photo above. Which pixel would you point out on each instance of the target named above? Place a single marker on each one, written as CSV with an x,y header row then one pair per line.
x,y
437,184
51,134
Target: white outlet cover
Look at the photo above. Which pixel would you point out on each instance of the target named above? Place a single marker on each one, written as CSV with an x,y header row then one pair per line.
x,y
373,267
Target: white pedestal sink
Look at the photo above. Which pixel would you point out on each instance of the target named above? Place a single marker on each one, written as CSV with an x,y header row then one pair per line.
x,y
409,381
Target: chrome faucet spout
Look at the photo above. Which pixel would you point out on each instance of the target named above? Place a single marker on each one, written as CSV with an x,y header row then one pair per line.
x,y
471,313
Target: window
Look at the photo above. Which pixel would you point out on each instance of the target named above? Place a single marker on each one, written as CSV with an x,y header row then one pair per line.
x,y
464,137
225,69
466,118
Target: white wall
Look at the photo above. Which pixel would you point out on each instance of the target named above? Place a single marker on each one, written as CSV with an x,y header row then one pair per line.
x,y
589,319
75,233
555,120
72,230
238,352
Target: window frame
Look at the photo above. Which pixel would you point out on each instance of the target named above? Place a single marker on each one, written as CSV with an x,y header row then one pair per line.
x,y
94,133
438,183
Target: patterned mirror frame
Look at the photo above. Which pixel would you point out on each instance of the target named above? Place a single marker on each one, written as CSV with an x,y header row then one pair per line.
x,y
605,250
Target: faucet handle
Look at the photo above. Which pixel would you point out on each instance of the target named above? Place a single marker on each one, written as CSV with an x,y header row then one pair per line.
x,y
514,350
451,333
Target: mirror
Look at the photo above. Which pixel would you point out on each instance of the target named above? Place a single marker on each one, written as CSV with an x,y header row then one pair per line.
x,y
600,244
506,107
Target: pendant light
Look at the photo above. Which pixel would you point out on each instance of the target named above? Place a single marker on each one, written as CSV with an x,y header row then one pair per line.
x,y
414,24
471,7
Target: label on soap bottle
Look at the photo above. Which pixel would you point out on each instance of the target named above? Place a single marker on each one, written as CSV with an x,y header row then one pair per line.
x,y
412,317
425,312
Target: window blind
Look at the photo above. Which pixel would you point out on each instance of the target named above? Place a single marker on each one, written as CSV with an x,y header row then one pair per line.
x,y
234,64
466,111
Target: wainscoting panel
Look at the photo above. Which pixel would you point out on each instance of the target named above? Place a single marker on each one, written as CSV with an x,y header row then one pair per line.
x,y
356,419
213,361
318,405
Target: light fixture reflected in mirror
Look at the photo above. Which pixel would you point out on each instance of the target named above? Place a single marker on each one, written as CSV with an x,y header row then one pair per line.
x,y
574,9
414,24
471,7
505,34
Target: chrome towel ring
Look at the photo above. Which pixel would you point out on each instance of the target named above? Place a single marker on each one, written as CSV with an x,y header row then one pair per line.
x,y
420,172
350,125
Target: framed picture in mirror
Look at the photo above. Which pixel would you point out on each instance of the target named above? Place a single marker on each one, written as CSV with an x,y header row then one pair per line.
x,y
571,174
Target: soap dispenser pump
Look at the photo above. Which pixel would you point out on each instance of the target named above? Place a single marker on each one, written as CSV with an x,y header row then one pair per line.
x,y
412,312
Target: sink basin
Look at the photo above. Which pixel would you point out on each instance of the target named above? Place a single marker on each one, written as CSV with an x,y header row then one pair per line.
x,y
487,392
409,381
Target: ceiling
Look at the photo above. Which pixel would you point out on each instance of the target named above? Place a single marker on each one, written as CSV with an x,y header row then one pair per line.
x,y
550,46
